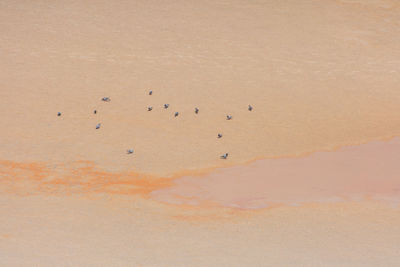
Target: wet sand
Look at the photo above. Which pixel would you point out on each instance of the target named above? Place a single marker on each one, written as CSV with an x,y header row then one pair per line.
x,y
369,171
311,178
355,173
327,209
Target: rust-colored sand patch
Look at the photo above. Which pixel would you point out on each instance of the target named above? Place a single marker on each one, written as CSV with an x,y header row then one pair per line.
x,y
77,177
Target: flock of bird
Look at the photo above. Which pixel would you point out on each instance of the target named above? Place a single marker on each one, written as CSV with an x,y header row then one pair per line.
x,y
196,110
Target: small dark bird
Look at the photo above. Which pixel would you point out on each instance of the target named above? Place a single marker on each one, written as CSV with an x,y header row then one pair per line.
x,y
149,108
228,117
176,114
250,108
219,135
151,92
129,151
224,156
98,126
106,99
166,106
196,110
59,114
95,111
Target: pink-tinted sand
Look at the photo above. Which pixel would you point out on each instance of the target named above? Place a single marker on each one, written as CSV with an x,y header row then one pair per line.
x,y
320,75
367,171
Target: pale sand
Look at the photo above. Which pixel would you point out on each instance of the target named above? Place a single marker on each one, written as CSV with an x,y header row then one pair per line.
x,y
74,231
320,74
78,215
369,171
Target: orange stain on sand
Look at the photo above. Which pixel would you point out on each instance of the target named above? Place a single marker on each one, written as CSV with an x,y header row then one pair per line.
x,y
355,172
78,177
320,75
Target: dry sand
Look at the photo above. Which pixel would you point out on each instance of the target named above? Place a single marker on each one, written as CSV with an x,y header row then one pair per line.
x,y
321,75
76,231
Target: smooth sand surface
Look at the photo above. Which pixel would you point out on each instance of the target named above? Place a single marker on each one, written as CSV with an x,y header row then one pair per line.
x,y
369,171
103,231
322,76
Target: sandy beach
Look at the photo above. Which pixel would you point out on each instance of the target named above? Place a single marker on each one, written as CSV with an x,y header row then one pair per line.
x,y
311,178
119,231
